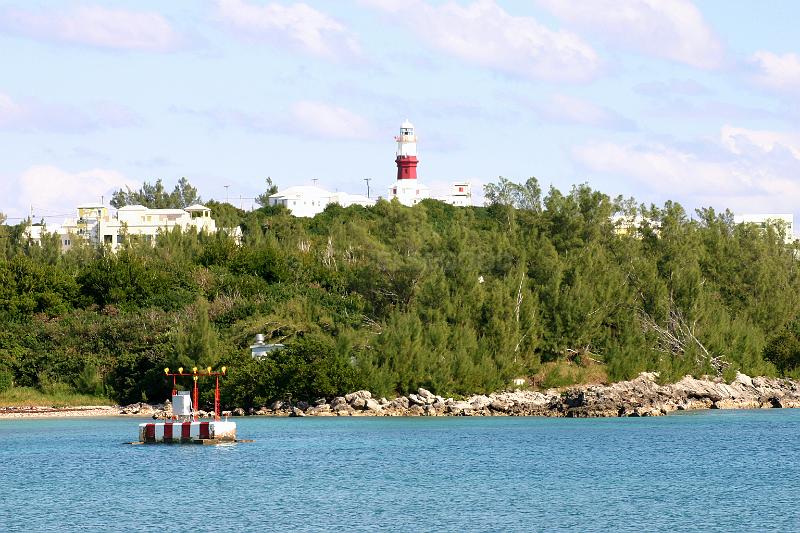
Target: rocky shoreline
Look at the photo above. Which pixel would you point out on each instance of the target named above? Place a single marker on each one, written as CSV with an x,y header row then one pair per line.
x,y
642,396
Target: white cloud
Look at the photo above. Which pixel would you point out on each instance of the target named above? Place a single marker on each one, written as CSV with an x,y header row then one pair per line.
x,y
781,72
671,88
742,140
484,34
94,26
34,116
745,172
322,120
50,189
567,109
297,25
303,119
671,29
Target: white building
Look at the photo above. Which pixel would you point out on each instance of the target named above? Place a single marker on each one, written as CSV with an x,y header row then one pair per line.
x,y
261,350
310,200
94,224
307,201
460,195
782,221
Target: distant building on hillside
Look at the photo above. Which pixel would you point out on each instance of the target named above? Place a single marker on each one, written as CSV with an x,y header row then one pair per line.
x,y
307,201
310,200
260,350
407,189
783,222
631,225
95,225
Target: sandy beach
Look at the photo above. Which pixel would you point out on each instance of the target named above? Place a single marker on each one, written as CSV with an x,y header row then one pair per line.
x,y
39,411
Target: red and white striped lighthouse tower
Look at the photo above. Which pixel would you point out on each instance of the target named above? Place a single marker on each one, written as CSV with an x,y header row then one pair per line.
x,y
407,189
406,152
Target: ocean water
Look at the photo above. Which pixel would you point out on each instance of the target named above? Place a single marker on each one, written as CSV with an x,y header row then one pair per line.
x,y
702,471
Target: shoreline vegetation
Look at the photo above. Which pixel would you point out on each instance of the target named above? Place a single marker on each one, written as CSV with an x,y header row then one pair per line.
x,y
640,397
546,288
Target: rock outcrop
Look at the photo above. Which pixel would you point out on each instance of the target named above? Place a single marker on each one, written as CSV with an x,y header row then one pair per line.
x,y
642,396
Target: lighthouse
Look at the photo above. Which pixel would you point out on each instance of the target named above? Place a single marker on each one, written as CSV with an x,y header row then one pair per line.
x,y
406,152
407,189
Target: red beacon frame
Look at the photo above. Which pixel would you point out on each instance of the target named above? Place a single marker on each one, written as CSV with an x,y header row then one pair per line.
x,y
195,374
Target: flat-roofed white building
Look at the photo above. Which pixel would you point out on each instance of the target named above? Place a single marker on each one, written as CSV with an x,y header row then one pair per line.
x,y
460,195
781,221
95,224
310,200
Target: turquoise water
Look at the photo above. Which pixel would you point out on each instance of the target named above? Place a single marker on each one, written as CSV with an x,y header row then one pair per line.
x,y
706,471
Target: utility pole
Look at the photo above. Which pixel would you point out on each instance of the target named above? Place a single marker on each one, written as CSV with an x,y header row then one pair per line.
x,y
367,180
314,181
227,200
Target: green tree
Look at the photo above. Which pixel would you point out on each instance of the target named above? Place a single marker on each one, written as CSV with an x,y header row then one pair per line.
x,y
196,342
263,198
155,196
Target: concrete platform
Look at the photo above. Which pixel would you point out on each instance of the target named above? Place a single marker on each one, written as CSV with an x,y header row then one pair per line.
x,y
214,432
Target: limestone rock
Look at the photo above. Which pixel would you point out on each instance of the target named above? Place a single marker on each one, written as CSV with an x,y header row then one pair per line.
x,y
416,400
359,403
362,394
416,410
480,402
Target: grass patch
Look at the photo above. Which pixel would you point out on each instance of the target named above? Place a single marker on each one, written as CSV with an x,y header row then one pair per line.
x,y
557,374
24,396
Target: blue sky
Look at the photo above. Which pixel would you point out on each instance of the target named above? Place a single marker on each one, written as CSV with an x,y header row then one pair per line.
x,y
657,99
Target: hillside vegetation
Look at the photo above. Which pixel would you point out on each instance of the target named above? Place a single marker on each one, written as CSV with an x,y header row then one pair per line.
x,y
391,298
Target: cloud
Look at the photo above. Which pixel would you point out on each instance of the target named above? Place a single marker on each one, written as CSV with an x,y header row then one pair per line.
x,y
31,115
780,72
298,26
484,34
50,189
670,29
565,109
671,88
325,121
745,172
304,119
95,26
742,140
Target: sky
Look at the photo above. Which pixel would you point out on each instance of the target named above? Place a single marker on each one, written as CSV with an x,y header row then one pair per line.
x,y
695,102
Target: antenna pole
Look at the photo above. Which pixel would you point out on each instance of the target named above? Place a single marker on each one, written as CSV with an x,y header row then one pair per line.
x,y
367,180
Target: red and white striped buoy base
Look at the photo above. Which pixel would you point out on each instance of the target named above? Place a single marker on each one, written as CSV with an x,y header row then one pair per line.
x,y
187,432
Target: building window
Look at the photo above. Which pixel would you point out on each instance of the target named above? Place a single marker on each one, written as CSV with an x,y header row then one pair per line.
x,y
461,189
120,238
108,239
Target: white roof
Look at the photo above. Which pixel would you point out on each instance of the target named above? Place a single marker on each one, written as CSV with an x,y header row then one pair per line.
x,y
197,207
763,217
300,191
138,208
353,197
91,206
